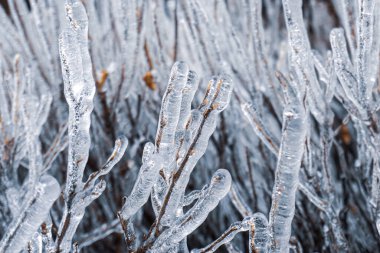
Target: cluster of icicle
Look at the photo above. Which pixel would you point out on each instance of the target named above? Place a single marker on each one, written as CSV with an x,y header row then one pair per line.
x,y
103,75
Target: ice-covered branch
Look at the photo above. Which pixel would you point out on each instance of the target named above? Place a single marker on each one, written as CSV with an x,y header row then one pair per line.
x,y
88,192
287,171
79,92
200,128
181,140
364,41
344,68
147,177
32,214
261,131
300,57
258,233
219,186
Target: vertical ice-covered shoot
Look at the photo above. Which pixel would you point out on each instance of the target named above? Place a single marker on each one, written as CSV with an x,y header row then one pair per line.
x,y
79,90
345,70
169,115
364,42
174,115
288,166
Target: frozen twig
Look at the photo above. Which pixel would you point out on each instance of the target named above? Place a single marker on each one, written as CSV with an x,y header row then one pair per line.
x,y
32,214
287,171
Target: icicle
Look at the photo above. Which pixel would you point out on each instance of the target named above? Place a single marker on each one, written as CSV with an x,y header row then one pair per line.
x,y
30,218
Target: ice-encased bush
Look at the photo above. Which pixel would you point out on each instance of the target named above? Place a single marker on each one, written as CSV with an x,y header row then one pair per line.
x,y
285,160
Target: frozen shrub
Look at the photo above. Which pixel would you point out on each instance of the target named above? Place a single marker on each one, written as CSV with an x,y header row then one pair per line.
x,y
297,136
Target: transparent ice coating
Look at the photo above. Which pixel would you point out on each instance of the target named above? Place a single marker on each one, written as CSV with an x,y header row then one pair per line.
x,y
192,196
202,126
147,176
364,50
257,227
263,132
188,93
226,237
79,91
170,112
356,75
89,191
300,57
264,71
33,213
121,145
287,171
258,234
131,40
174,118
219,186
238,201
343,66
